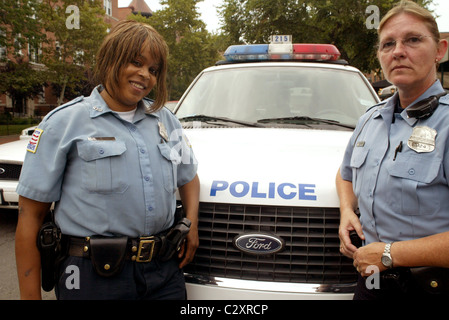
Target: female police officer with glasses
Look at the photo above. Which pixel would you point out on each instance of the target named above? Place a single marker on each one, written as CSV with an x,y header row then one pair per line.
x,y
111,163
396,166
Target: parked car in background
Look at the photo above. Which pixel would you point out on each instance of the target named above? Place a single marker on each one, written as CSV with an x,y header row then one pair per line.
x,y
12,155
386,92
27,133
171,105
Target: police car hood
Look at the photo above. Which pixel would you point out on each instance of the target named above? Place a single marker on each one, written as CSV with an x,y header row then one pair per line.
x,y
13,152
270,166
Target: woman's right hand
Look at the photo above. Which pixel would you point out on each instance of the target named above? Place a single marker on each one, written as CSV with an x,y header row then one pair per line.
x,y
349,221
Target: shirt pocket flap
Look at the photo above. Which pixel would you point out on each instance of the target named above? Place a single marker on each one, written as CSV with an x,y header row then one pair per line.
x,y
358,157
94,150
169,154
417,169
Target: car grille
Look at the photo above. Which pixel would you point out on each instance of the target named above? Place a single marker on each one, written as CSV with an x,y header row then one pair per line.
x,y
9,171
311,252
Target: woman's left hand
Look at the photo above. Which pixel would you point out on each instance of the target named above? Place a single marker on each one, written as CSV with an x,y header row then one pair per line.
x,y
367,259
188,248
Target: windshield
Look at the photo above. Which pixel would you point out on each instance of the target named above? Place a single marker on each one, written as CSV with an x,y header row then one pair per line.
x,y
268,92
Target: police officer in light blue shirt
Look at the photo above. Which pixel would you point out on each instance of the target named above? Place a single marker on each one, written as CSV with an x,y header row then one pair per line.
x,y
407,158
111,163
396,166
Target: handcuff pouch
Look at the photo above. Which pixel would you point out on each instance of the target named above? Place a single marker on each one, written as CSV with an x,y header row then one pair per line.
x,y
108,254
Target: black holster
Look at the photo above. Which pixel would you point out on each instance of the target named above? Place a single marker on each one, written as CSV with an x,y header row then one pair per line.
x,y
175,238
51,250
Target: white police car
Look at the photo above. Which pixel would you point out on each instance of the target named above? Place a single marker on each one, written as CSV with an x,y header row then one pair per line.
x,y
269,127
11,160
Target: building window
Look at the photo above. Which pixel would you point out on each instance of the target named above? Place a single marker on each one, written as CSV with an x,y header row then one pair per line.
x,y
35,52
2,48
108,7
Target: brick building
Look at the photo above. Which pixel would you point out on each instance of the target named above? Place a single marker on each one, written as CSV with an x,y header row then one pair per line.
x,y
46,101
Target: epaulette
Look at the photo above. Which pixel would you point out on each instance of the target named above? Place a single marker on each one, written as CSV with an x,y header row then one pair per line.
x,y
148,100
379,105
63,106
445,99
168,110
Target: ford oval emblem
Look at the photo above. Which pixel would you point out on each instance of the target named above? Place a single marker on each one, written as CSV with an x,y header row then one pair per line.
x,y
259,243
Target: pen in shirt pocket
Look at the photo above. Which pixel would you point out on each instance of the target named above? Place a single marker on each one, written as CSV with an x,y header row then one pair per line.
x,y
398,149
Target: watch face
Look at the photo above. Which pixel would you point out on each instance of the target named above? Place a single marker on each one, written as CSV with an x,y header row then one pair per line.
x,y
386,261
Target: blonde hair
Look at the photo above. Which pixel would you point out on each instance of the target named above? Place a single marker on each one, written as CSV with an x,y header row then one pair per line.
x,y
412,8
123,45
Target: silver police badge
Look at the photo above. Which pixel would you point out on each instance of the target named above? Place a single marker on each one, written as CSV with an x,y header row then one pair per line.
x,y
163,131
422,139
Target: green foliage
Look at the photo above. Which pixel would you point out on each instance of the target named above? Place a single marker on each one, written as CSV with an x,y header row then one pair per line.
x,y
340,22
192,47
19,28
19,25
66,55
70,54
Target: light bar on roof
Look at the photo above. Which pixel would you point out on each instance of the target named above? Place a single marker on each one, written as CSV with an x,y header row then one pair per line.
x,y
298,51
280,51
247,52
311,51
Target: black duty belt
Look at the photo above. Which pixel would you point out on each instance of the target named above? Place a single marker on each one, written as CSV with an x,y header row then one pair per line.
x,y
108,254
141,249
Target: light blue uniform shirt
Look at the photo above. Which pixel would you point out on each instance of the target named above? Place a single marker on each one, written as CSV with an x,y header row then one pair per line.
x,y
406,197
108,176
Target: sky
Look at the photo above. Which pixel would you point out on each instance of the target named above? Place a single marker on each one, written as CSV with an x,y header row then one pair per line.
x,y
208,11
441,8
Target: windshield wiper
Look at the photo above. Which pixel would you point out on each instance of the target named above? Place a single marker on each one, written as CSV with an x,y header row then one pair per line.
x,y
205,118
307,119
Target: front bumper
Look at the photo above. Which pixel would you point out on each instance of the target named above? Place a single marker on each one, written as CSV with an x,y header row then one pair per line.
x,y
201,288
8,196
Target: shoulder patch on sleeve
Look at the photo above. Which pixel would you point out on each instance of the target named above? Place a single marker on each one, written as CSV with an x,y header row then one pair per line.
x,y
34,141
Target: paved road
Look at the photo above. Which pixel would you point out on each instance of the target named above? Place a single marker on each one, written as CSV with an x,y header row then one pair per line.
x,y
9,287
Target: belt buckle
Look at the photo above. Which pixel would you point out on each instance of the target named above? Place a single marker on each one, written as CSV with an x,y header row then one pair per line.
x,y
146,248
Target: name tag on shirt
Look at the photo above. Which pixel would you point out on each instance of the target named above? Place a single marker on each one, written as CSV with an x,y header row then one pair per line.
x,y
101,138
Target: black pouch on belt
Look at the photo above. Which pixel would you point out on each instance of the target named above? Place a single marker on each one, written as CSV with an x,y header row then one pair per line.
x,y
432,280
108,254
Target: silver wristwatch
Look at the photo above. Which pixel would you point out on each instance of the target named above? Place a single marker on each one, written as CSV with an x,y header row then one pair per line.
x,y
387,261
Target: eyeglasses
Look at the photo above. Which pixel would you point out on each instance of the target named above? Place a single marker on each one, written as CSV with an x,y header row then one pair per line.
x,y
411,42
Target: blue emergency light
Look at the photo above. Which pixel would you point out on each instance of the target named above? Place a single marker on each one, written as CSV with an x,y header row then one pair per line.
x,y
298,51
247,52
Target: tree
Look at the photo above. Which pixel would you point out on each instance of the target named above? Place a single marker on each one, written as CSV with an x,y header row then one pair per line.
x,y
340,22
21,81
191,46
20,30
19,25
76,30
